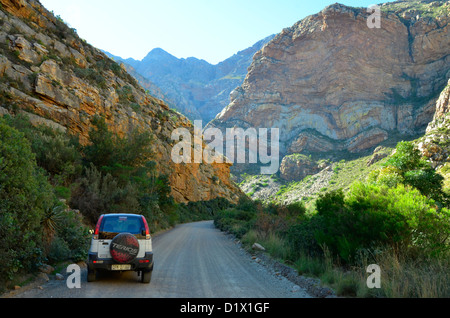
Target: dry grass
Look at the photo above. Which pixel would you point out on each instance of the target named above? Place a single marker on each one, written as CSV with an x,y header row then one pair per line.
x,y
401,276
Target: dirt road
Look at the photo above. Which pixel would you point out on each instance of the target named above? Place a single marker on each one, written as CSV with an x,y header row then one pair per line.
x,y
191,261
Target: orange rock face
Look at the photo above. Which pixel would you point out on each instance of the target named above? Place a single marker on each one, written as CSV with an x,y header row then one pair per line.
x,y
61,81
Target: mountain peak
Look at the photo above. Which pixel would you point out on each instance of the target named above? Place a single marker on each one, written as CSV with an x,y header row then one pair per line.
x,y
157,54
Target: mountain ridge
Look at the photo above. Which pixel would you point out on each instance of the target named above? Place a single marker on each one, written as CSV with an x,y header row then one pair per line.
x,y
195,87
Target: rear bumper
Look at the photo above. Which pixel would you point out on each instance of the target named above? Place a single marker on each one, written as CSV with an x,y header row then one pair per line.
x,y
139,264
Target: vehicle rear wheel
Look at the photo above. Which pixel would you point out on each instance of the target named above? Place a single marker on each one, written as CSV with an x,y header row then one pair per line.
x,y
146,276
92,275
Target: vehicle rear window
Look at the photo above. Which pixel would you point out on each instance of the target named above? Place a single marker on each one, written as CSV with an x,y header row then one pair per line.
x,y
115,224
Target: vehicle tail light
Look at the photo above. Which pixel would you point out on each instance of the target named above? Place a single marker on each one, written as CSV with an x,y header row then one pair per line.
x,y
147,230
97,228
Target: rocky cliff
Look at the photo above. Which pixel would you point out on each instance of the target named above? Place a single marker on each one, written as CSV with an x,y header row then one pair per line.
x,y
59,80
435,145
332,83
195,87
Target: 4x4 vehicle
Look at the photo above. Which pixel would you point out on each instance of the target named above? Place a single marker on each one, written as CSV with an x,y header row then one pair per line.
x,y
121,242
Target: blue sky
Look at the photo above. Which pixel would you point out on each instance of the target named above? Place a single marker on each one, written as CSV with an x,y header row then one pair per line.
x,y
212,30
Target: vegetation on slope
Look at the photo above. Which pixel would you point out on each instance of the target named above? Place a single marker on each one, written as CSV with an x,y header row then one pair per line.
x,y
430,9
397,216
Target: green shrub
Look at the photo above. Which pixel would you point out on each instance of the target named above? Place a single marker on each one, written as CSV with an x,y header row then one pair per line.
x,y
247,204
238,219
121,178
55,151
406,158
100,151
428,182
389,176
118,156
373,216
59,251
202,210
303,237
72,231
156,202
96,194
407,166
63,192
236,227
24,196
126,95
295,209
91,75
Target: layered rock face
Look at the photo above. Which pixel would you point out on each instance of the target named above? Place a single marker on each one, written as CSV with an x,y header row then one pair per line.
x,y
332,83
56,78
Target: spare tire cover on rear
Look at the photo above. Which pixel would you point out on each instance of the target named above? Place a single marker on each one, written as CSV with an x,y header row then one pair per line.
x,y
124,248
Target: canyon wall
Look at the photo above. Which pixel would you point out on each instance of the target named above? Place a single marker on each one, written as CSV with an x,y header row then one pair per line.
x,y
59,80
331,83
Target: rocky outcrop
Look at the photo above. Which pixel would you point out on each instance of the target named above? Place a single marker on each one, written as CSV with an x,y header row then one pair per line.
x,y
442,110
296,167
48,72
435,145
378,155
332,83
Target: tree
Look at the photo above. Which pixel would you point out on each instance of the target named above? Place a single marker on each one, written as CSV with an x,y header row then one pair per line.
x,y
407,166
407,158
121,157
100,151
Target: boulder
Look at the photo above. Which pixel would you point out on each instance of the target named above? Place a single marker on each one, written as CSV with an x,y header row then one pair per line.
x,y
296,167
258,247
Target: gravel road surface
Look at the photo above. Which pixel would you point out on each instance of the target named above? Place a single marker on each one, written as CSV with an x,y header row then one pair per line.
x,y
193,260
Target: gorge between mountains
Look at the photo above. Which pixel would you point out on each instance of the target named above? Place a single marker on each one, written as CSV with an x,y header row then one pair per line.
x,y
329,83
